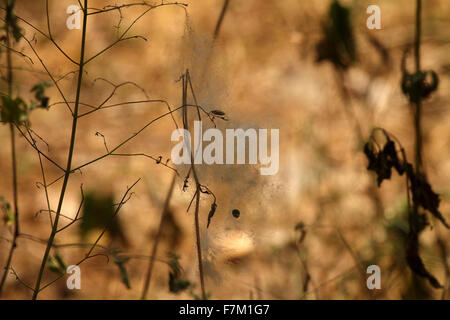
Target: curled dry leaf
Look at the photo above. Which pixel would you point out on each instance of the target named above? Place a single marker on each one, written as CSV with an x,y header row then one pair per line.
x,y
382,161
424,196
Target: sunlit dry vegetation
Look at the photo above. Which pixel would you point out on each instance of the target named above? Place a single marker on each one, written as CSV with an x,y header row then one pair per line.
x,y
87,179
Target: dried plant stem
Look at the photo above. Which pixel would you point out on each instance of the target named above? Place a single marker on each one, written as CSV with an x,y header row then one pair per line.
x,y
16,212
157,238
199,247
187,80
418,33
358,263
418,111
419,140
307,279
220,20
14,163
93,246
70,155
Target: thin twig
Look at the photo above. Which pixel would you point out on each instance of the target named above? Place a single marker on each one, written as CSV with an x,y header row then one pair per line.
x,y
44,180
110,153
220,20
121,203
418,111
157,238
55,82
122,36
89,254
46,36
185,81
38,150
357,261
13,158
70,155
77,214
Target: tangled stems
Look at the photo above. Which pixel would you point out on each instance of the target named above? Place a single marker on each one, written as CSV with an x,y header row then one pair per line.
x,y
14,160
187,80
69,159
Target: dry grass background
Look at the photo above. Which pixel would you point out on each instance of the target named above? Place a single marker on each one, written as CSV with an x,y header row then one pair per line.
x,y
261,72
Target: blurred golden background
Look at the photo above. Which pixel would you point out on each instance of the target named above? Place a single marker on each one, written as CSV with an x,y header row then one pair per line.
x,y
262,71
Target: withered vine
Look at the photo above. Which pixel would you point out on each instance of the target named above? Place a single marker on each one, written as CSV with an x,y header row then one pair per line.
x,y
383,159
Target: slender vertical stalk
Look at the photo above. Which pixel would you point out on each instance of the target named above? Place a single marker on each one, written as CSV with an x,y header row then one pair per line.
x,y
186,79
70,155
157,238
418,136
14,161
220,20
199,247
418,33
418,111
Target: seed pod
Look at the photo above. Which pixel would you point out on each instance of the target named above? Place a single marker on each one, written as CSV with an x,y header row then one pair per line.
x,y
218,113
211,213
